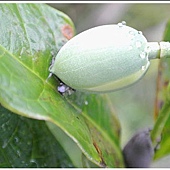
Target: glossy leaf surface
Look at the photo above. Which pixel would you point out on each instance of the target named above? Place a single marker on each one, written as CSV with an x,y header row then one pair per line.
x,y
30,35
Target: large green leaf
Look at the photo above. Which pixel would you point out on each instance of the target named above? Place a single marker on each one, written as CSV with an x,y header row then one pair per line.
x,y
75,154
28,143
162,107
103,125
30,34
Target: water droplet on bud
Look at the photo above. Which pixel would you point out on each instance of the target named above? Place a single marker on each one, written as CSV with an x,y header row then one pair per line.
x,y
142,55
143,68
148,49
123,22
120,24
140,32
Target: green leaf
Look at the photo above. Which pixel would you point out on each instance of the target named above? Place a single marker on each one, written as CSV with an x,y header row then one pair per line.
x,y
30,34
162,107
103,125
104,129
68,145
28,143
76,156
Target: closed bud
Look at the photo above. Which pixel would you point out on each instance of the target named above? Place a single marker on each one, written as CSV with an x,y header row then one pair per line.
x,y
104,58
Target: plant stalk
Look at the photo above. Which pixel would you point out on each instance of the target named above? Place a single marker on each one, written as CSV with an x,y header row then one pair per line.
x,y
157,50
160,123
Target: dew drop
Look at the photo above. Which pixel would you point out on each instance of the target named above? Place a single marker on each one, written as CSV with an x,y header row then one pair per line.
x,y
86,102
18,153
5,144
138,44
16,139
140,32
23,162
123,22
3,127
120,24
143,68
142,55
148,49
33,161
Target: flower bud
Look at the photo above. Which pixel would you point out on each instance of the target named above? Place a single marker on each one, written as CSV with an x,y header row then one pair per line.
x,y
104,58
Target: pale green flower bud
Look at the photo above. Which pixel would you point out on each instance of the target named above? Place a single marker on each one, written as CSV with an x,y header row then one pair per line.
x,y
105,58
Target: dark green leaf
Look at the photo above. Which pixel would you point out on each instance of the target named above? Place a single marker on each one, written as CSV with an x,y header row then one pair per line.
x,y
28,143
67,143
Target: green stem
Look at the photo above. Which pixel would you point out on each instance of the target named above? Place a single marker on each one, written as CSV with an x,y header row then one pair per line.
x,y
160,123
157,50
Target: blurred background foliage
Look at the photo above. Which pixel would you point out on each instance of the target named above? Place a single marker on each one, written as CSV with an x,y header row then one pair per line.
x,y
134,105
